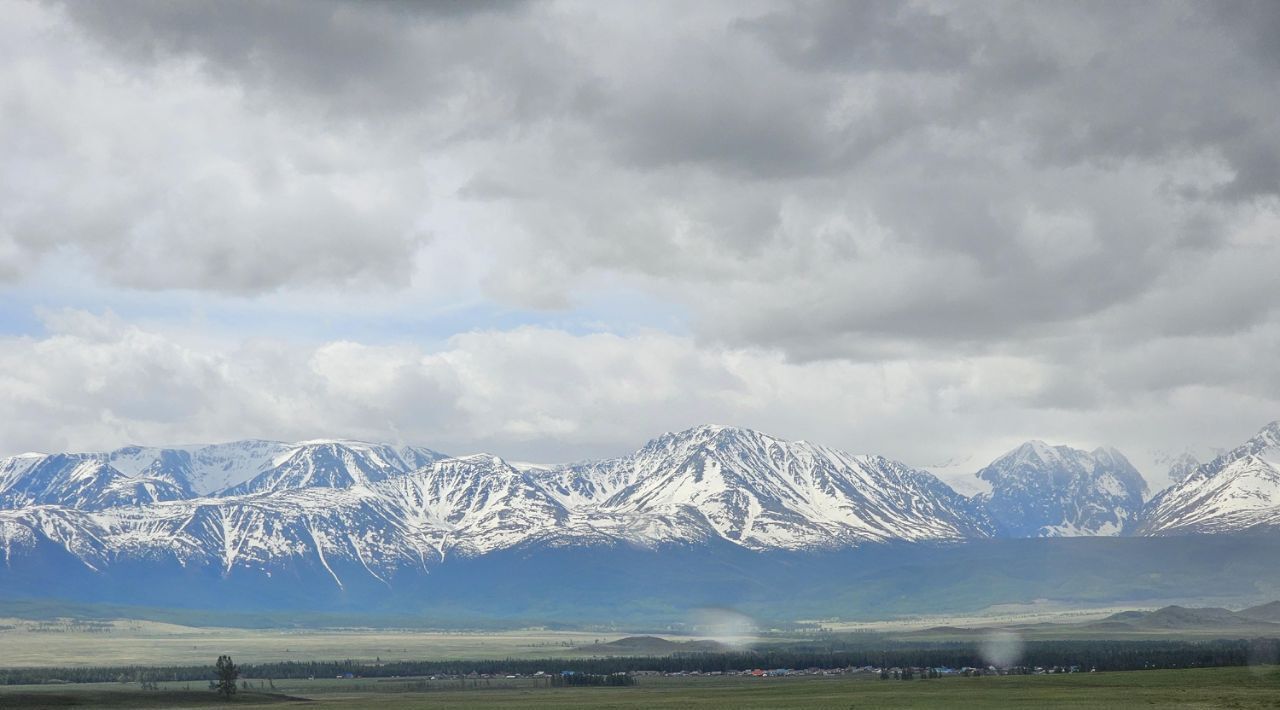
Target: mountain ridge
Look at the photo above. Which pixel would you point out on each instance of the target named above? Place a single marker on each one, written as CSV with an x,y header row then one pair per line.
x,y
345,508
1239,489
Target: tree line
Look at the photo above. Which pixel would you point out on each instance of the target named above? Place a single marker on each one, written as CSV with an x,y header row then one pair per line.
x,y
1111,655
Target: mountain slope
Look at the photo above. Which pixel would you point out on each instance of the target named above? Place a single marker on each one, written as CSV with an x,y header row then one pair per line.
x,y
205,469
334,464
1039,490
79,481
1183,466
1269,612
760,492
655,587
136,475
471,504
467,506
1180,618
1239,490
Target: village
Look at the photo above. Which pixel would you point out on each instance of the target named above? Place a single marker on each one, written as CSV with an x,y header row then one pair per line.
x,y
882,673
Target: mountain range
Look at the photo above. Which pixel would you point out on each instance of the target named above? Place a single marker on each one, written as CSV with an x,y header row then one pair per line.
x,y
359,514
1260,619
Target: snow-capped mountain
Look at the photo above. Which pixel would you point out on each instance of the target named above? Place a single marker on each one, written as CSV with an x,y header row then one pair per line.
x,y
467,506
136,475
1182,466
355,505
79,481
470,504
206,469
1238,490
355,512
334,464
761,492
1039,490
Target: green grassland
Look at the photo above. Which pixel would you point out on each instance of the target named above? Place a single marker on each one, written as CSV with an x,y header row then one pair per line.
x,y
27,644
1256,687
78,642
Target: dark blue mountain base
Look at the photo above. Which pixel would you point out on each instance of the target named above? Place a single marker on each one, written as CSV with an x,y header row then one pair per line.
x,y
635,586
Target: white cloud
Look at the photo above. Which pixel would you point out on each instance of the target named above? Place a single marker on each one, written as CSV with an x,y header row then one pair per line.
x,y
912,228
165,178
96,381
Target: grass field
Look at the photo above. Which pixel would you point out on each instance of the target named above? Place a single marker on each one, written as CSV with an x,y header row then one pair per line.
x,y
26,644
1243,688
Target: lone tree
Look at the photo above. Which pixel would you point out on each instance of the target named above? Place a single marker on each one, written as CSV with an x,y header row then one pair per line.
x,y
227,674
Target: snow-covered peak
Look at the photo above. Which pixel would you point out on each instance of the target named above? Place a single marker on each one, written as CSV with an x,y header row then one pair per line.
x,y
330,463
207,469
204,468
15,467
1109,455
1042,490
1034,452
488,463
77,481
397,456
760,491
1238,490
1270,435
705,430
354,443
1265,443
712,434
1183,466
533,466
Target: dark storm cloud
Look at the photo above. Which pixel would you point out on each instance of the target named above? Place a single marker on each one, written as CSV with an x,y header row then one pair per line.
x,y
1032,166
863,36
248,147
1092,82
1074,185
351,59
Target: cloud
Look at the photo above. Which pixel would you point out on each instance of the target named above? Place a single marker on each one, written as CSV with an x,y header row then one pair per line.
x,y
1039,172
352,57
1033,165
868,36
162,178
97,381
921,221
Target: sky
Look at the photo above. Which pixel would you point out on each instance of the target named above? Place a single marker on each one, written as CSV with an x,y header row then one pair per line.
x,y
552,231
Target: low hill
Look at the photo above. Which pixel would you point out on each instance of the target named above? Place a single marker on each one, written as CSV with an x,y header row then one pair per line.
x,y
1180,618
651,646
1269,612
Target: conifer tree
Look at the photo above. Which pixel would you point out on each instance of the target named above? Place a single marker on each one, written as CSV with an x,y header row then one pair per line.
x,y
227,674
